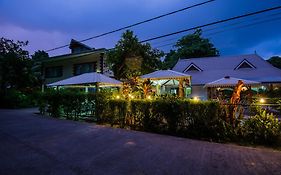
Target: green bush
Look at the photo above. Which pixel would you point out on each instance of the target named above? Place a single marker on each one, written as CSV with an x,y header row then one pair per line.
x,y
73,104
15,99
263,128
169,115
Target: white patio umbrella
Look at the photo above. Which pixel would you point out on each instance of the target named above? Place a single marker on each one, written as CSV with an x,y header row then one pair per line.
x,y
229,82
87,78
169,75
165,74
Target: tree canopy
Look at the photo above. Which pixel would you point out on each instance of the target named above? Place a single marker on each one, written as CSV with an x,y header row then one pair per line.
x,y
275,61
15,65
130,58
37,57
190,46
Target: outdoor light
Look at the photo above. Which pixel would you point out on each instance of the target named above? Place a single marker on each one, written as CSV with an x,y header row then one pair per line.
x,y
244,88
149,97
117,97
262,100
196,98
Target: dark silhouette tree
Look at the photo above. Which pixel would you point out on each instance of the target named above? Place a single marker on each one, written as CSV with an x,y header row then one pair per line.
x,y
275,61
190,46
37,58
15,65
130,58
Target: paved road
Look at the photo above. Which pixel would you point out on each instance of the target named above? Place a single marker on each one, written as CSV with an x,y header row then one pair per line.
x,y
31,144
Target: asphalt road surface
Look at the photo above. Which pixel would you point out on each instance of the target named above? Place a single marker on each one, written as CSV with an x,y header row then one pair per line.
x,y
32,144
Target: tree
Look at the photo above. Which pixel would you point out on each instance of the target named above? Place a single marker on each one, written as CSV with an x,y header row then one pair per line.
x,y
130,58
37,57
190,46
15,65
275,61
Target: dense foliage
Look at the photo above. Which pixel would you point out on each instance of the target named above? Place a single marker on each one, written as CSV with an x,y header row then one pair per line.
x,y
18,82
190,46
15,65
186,118
263,128
130,58
275,61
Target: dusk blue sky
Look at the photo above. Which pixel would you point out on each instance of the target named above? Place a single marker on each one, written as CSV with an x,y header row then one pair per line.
x,y
51,23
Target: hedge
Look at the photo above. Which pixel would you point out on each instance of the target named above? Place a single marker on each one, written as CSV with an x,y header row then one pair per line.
x,y
180,117
176,117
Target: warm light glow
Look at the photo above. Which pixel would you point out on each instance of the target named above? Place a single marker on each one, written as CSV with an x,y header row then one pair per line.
x,y
196,98
149,97
262,100
244,88
117,97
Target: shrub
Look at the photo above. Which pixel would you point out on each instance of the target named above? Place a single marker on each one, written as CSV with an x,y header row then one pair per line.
x,y
169,115
263,128
15,99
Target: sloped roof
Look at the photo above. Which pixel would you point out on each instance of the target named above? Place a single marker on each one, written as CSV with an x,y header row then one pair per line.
x,y
75,55
213,68
86,78
164,74
75,43
229,82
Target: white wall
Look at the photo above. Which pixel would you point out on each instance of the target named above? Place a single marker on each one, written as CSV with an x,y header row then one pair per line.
x,y
199,91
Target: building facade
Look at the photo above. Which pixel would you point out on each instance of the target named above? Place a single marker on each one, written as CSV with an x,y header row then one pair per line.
x,y
82,59
208,69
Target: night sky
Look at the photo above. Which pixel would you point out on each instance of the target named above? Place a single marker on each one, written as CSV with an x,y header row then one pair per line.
x,y
52,23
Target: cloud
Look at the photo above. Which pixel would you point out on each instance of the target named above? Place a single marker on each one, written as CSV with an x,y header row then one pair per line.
x,y
38,40
267,48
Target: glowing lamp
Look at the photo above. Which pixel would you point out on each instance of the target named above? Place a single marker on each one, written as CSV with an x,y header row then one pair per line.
x,y
262,100
196,98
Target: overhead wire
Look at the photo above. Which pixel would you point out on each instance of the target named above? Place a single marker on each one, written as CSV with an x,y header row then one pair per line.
x,y
212,23
135,24
227,28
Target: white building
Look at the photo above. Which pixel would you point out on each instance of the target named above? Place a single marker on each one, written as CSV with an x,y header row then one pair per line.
x,y
208,69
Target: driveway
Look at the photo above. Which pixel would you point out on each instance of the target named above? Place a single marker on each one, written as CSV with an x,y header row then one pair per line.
x,y
32,144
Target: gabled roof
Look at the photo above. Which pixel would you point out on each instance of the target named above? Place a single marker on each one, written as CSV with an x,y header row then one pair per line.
x,y
244,64
216,67
75,55
75,43
192,67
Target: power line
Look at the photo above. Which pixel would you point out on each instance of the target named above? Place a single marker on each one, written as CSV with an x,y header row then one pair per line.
x,y
135,24
233,28
218,27
213,23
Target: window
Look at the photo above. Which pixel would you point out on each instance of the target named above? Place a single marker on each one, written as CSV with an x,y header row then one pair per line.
x,y
85,68
53,72
192,67
244,64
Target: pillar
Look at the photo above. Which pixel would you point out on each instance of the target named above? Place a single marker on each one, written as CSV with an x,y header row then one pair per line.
x,y
181,93
101,62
